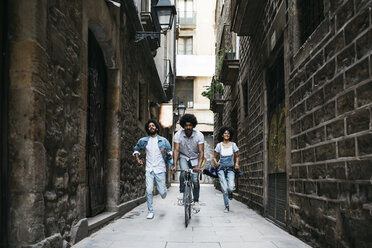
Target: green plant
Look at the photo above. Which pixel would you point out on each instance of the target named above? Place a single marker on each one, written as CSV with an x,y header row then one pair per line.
x,y
216,87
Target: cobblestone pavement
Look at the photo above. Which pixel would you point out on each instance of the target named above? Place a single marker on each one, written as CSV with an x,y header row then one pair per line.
x,y
210,228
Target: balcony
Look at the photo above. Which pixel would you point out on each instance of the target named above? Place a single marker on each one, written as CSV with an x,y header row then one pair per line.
x,y
230,69
245,15
186,19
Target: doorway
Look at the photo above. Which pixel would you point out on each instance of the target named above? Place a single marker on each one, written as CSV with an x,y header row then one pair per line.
x,y
277,176
97,85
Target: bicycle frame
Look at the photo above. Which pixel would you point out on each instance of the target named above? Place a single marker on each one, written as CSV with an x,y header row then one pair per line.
x,y
187,195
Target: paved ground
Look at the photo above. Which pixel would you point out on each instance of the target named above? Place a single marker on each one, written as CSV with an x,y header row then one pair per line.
x,y
210,228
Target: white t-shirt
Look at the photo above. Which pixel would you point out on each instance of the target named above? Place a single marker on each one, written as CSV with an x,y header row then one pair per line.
x,y
154,159
226,151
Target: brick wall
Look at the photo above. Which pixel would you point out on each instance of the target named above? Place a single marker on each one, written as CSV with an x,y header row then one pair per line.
x,y
330,101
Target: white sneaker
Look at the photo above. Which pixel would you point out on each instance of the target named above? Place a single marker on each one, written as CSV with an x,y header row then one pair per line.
x,y
180,197
150,215
227,209
196,207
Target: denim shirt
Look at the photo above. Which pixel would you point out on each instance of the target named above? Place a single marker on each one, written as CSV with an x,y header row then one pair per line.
x,y
162,143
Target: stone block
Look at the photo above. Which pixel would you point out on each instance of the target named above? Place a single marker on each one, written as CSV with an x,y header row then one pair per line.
x,y
310,188
335,129
27,119
336,170
308,155
334,46
359,169
345,13
27,162
314,64
296,128
345,103
333,88
357,26
346,147
294,143
79,231
26,218
306,90
325,74
364,44
54,241
302,172
365,144
328,190
325,152
326,113
364,94
315,100
346,58
315,136
359,121
307,122
317,171
357,73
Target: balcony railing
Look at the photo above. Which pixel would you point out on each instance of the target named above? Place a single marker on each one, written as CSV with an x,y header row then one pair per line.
x,y
186,17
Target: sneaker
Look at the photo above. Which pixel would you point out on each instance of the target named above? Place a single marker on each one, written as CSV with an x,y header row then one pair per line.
x,y
196,207
180,197
150,215
230,195
226,210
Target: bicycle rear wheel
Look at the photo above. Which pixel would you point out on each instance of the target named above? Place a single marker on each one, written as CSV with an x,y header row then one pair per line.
x,y
187,204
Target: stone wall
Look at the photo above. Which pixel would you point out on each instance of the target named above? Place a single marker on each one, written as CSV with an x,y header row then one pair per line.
x,y
328,82
48,114
330,103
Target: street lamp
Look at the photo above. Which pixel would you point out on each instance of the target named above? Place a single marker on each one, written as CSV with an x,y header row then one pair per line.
x,y
164,14
181,109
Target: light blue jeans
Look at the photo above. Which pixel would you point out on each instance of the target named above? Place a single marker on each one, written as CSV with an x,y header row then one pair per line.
x,y
160,185
227,184
194,178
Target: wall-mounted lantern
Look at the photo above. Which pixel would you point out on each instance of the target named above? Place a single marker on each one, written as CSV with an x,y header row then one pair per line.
x,y
164,13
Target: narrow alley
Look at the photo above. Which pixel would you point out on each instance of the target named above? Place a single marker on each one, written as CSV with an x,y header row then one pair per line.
x,y
210,228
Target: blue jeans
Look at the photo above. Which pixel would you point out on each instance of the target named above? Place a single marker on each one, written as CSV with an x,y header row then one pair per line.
x,y
227,184
160,184
194,178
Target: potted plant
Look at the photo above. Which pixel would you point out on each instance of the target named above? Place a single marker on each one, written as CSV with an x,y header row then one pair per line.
x,y
213,91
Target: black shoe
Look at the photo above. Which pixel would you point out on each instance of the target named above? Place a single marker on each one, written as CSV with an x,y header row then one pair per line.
x,y
230,195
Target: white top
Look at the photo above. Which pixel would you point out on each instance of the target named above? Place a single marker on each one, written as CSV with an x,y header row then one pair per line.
x,y
189,145
154,159
226,151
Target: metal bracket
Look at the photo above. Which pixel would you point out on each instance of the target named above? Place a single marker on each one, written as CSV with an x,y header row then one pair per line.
x,y
140,35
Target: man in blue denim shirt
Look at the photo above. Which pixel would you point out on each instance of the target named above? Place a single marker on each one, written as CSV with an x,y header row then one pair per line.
x,y
158,154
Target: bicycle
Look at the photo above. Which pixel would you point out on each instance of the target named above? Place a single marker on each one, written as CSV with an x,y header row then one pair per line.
x,y
187,194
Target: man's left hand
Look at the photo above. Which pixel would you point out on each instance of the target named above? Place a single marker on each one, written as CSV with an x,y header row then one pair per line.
x,y
197,169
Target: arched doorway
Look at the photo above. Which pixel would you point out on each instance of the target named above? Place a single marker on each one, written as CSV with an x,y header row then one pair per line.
x,y
96,113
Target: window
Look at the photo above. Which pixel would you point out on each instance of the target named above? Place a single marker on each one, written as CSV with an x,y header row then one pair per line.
x,y
185,92
311,14
184,46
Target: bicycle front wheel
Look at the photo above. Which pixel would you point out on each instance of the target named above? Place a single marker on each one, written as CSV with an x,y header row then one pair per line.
x,y
187,204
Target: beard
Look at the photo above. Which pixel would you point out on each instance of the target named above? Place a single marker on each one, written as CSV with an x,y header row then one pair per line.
x,y
152,131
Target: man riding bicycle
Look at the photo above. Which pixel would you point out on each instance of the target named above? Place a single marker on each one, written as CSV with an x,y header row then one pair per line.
x,y
189,149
